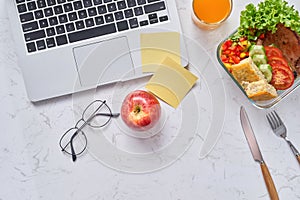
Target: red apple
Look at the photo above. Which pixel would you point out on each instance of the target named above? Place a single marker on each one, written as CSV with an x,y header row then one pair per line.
x,y
140,110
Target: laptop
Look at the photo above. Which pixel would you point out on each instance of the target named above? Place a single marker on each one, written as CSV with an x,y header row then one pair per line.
x,y
66,46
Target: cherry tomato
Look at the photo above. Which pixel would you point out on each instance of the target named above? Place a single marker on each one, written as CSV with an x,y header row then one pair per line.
x,y
226,45
224,58
275,60
282,78
273,51
236,59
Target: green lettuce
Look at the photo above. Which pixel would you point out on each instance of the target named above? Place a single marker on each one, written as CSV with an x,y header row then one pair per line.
x,y
255,20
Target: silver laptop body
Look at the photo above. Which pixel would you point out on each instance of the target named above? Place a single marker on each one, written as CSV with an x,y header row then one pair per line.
x,y
66,46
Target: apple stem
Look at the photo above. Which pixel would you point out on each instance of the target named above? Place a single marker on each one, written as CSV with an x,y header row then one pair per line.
x,y
137,109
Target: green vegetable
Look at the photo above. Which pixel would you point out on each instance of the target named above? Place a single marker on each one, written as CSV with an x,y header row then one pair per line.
x,y
259,59
255,21
266,69
257,49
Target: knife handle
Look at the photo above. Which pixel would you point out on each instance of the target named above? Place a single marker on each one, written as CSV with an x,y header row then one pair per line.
x,y
269,181
298,158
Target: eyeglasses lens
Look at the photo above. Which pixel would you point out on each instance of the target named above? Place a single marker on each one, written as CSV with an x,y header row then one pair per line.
x,y
78,140
97,114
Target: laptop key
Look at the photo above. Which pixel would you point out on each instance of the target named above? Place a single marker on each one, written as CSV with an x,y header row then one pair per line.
x,y
72,16
79,25
119,15
109,18
41,45
31,47
77,5
41,3
68,7
60,29
153,21
131,3
97,2
31,5
82,14
152,16
87,3
99,20
122,25
102,9
91,33
51,2
30,26
89,22
61,1
144,23
43,23
133,23
92,12
38,14
58,9
50,31
50,42
22,8
154,7
163,18
53,21
138,11
62,39
48,12
141,2
26,17
20,1
62,18
70,27
128,13
34,35
121,5
111,7
150,1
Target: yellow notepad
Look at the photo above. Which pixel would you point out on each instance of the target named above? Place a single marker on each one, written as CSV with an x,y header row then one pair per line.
x,y
171,82
155,47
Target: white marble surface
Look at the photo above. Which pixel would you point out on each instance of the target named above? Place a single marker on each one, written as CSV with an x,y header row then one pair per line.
x,y
32,166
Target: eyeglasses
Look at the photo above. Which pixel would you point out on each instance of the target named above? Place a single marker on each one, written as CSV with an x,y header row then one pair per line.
x,y
96,115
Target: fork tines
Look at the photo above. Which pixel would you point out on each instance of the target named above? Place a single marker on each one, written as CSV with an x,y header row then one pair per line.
x,y
274,119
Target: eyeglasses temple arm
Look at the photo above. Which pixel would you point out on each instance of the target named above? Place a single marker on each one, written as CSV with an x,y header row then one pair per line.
x,y
74,157
108,114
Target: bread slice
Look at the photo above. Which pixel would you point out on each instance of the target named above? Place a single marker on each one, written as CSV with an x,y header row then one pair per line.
x,y
259,90
246,71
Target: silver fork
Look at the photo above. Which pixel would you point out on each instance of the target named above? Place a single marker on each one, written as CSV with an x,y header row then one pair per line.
x,y
280,130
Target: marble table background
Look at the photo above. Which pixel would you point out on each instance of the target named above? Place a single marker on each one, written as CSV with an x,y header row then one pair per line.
x,y
32,166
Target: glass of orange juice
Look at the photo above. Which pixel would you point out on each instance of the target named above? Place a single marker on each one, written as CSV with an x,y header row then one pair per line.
x,y
209,14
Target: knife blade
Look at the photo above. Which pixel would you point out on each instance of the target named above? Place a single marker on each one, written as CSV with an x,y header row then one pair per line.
x,y
254,148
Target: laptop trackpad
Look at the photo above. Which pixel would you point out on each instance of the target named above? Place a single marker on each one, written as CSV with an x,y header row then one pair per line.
x,y
103,62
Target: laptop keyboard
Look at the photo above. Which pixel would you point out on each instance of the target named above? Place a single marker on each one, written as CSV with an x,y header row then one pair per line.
x,y
52,23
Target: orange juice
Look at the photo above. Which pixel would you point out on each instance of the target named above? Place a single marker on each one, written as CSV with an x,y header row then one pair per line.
x,y
211,12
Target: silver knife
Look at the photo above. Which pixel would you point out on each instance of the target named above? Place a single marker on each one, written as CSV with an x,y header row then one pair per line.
x,y
257,154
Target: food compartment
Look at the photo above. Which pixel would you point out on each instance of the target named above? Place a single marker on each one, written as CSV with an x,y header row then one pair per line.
x,y
249,66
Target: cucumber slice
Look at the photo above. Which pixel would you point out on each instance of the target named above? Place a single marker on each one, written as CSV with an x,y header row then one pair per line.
x,y
259,59
257,50
266,69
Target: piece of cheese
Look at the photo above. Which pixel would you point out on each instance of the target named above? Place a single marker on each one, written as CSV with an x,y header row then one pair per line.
x,y
155,47
171,82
